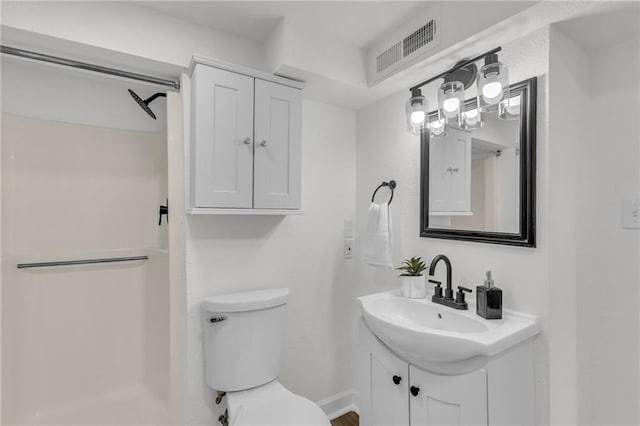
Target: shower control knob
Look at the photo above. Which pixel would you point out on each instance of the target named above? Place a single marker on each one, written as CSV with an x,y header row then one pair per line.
x,y
247,141
263,142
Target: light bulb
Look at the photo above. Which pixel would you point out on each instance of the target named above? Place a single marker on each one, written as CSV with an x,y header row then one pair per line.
x,y
492,90
437,128
472,120
471,114
417,117
451,105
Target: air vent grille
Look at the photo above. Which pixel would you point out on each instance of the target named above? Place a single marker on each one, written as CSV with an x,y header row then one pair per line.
x,y
406,46
419,38
389,57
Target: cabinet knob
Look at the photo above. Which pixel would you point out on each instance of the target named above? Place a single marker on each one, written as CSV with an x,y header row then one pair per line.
x,y
247,141
414,390
397,380
264,142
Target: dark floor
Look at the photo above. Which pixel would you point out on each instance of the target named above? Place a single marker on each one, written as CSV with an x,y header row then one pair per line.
x,y
349,419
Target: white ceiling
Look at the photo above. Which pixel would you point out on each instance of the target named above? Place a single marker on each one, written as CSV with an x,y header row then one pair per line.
x,y
595,31
355,23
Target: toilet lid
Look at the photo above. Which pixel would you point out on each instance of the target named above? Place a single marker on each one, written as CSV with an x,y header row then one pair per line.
x,y
273,404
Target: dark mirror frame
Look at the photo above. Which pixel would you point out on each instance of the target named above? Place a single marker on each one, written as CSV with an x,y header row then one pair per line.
x,y
527,235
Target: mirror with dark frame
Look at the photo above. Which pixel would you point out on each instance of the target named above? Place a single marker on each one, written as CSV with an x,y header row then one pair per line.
x,y
479,185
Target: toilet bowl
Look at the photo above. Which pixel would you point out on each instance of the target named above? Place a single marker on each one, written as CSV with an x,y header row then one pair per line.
x,y
272,404
243,340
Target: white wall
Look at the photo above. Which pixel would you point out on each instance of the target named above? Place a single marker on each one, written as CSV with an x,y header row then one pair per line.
x,y
130,29
303,253
49,92
386,151
607,171
594,262
567,96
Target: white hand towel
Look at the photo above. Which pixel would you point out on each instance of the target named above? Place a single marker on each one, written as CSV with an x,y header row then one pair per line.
x,y
377,239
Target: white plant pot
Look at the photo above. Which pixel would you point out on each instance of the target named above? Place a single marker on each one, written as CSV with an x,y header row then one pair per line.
x,y
414,287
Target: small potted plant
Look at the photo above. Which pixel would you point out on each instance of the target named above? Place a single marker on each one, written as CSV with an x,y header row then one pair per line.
x,y
412,279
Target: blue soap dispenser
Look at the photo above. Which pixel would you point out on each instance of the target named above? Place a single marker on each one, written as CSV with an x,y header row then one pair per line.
x,y
489,299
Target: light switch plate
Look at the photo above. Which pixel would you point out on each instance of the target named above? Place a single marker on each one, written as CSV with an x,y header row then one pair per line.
x,y
349,230
348,248
631,213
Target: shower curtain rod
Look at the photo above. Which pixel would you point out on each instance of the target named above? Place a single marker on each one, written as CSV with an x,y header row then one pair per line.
x,y
88,67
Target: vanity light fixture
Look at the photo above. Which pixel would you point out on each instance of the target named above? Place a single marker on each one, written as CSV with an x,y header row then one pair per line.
x,y
492,82
417,109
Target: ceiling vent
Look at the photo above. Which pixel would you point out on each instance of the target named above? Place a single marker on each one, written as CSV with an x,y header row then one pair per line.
x,y
404,47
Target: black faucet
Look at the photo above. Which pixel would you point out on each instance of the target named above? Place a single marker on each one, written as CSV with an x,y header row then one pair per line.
x,y
447,299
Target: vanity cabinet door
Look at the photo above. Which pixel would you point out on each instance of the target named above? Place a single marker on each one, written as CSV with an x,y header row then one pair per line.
x,y
389,401
278,137
448,400
383,383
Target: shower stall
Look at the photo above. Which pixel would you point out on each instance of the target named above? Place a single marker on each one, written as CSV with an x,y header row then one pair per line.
x,y
88,321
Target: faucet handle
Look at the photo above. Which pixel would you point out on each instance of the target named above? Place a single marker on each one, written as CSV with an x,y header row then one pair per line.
x,y
437,292
460,294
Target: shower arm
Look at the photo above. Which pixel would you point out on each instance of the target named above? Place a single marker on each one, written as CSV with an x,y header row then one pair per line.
x,y
154,96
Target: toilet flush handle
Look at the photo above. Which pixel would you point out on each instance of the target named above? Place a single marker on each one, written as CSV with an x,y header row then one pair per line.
x,y
217,318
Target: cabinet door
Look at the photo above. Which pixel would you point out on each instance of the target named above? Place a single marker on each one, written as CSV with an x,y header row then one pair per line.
x,y
278,133
458,160
222,151
382,401
438,176
448,400
389,401
450,172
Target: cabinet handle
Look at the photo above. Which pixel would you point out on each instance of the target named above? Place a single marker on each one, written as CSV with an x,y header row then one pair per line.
x,y
247,141
397,380
264,142
414,390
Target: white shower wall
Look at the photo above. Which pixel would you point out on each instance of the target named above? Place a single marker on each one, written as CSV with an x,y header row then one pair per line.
x,y
82,344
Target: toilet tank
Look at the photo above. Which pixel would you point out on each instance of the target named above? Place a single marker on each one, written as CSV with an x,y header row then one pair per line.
x,y
243,338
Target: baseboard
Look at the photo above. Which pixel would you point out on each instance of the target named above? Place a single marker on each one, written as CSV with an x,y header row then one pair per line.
x,y
339,404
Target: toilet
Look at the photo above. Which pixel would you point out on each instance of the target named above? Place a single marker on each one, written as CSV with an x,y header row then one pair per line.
x,y
243,339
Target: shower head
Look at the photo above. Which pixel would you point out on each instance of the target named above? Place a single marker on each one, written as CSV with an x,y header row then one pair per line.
x,y
144,103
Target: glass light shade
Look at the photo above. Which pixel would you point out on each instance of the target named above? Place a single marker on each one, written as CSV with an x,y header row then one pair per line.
x,y
438,126
509,108
416,111
493,84
451,101
472,119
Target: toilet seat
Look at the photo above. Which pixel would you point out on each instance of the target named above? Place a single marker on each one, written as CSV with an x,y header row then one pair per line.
x,y
272,404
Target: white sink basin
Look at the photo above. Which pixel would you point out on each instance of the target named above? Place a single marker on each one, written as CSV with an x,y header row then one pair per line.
x,y
442,339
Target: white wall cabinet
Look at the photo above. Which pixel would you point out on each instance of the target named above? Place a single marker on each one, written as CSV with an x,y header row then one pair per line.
x,y
246,139
450,173
499,394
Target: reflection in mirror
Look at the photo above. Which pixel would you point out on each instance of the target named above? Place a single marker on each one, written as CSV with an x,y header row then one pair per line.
x,y
473,177
478,178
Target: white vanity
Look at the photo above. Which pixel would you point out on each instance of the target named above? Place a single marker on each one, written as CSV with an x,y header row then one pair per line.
x,y
425,364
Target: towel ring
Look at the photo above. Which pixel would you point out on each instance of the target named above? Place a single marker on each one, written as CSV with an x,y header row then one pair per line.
x,y
391,184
